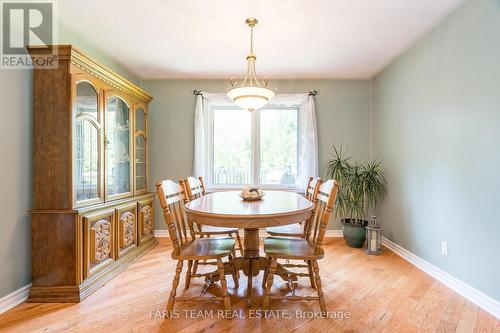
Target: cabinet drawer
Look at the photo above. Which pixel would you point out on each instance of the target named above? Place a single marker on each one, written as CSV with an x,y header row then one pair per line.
x,y
126,217
146,220
98,241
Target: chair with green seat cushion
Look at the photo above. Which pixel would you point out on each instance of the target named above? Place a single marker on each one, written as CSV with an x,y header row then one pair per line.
x,y
186,247
309,248
195,188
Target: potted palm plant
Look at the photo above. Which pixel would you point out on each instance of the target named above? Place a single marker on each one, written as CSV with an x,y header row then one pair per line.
x,y
361,188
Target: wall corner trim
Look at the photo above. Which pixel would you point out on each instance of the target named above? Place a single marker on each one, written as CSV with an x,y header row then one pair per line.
x,y
475,296
14,298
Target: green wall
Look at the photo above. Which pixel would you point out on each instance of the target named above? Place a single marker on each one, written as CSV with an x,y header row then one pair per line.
x,y
436,113
16,167
15,191
342,114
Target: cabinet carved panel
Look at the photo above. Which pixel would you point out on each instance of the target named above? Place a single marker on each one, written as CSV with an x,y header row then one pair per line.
x,y
147,218
127,220
128,225
100,241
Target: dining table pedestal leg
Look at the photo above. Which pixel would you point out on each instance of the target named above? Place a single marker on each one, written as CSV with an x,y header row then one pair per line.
x,y
251,263
251,259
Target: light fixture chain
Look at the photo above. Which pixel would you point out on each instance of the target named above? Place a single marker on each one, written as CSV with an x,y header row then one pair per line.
x,y
251,39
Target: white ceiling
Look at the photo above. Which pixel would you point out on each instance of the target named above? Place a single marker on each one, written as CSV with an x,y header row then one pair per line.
x,y
294,38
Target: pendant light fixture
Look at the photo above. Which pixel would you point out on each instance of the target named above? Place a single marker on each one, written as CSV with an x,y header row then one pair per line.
x,y
252,94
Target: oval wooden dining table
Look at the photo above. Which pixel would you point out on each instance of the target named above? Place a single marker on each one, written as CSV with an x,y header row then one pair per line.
x,y
228,209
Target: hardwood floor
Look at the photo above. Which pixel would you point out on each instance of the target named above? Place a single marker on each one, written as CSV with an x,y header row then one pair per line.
x,y
380,294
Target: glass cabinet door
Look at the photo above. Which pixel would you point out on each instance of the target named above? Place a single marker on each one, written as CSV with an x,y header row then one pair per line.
x,y
140,150
117,143
87,144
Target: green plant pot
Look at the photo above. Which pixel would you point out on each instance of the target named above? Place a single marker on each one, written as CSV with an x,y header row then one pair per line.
x,y
354,233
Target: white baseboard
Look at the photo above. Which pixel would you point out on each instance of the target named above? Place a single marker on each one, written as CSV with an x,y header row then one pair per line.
x,y
262,233
14,298
334,233
161,233
475,296
329,233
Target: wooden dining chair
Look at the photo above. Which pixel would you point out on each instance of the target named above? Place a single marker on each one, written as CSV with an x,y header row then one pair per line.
x,y
297,229
309,248
195,188
186,247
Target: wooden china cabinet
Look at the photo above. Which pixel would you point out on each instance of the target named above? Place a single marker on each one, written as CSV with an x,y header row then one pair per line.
x,y
92,214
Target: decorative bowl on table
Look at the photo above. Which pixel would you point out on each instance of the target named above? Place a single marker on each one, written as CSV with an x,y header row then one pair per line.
x,y
252,194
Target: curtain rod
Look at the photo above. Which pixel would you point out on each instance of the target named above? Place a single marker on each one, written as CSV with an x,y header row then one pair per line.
x,y
311,93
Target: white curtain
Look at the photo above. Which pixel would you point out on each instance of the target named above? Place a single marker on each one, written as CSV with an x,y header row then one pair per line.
x,y
308,136
203,104
199,139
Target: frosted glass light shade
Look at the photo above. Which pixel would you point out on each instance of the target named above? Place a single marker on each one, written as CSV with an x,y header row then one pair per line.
x,y
251,98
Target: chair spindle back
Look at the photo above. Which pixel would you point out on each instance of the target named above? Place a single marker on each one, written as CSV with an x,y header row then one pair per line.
x,y
311,187
172,197
195,188
324,199
311,191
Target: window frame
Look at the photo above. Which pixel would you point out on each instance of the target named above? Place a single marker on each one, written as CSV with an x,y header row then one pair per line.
x,y
255,151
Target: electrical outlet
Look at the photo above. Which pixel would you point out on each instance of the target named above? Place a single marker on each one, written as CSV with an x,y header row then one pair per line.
x,y
444,247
